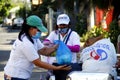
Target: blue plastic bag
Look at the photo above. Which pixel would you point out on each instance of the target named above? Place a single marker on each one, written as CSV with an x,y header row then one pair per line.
x,y
63,53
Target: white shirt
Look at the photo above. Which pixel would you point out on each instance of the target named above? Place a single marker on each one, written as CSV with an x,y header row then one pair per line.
x,y
22,54
99,57
74,39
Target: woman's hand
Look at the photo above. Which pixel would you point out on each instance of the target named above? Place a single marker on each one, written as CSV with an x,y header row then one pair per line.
x,y
64,67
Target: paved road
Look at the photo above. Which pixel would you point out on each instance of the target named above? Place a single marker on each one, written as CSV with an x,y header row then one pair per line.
x,y
7,37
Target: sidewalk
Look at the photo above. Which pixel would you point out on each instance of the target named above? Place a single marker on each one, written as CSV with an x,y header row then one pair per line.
x,y
35,75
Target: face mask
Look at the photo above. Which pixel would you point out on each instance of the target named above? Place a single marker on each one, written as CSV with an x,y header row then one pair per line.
x,y
63,30
37,35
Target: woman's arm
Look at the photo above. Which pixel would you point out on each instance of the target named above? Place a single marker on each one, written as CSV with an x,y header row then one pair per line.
x,y
47,50
41,64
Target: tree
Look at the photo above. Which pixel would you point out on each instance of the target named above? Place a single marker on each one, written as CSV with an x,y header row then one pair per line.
x,y
5,6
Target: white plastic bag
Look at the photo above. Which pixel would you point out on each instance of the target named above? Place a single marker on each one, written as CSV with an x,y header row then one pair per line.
x,y
47,59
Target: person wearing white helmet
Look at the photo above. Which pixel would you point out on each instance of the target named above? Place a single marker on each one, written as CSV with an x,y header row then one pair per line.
x,y
64,33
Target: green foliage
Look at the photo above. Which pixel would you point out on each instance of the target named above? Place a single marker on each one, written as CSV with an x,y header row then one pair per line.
x,y
69,5
21,12
81,25
1,21
24,11
114,32
54,5
96,31
5,6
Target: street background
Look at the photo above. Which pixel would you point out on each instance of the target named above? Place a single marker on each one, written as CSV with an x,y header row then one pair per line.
x,y
7,37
